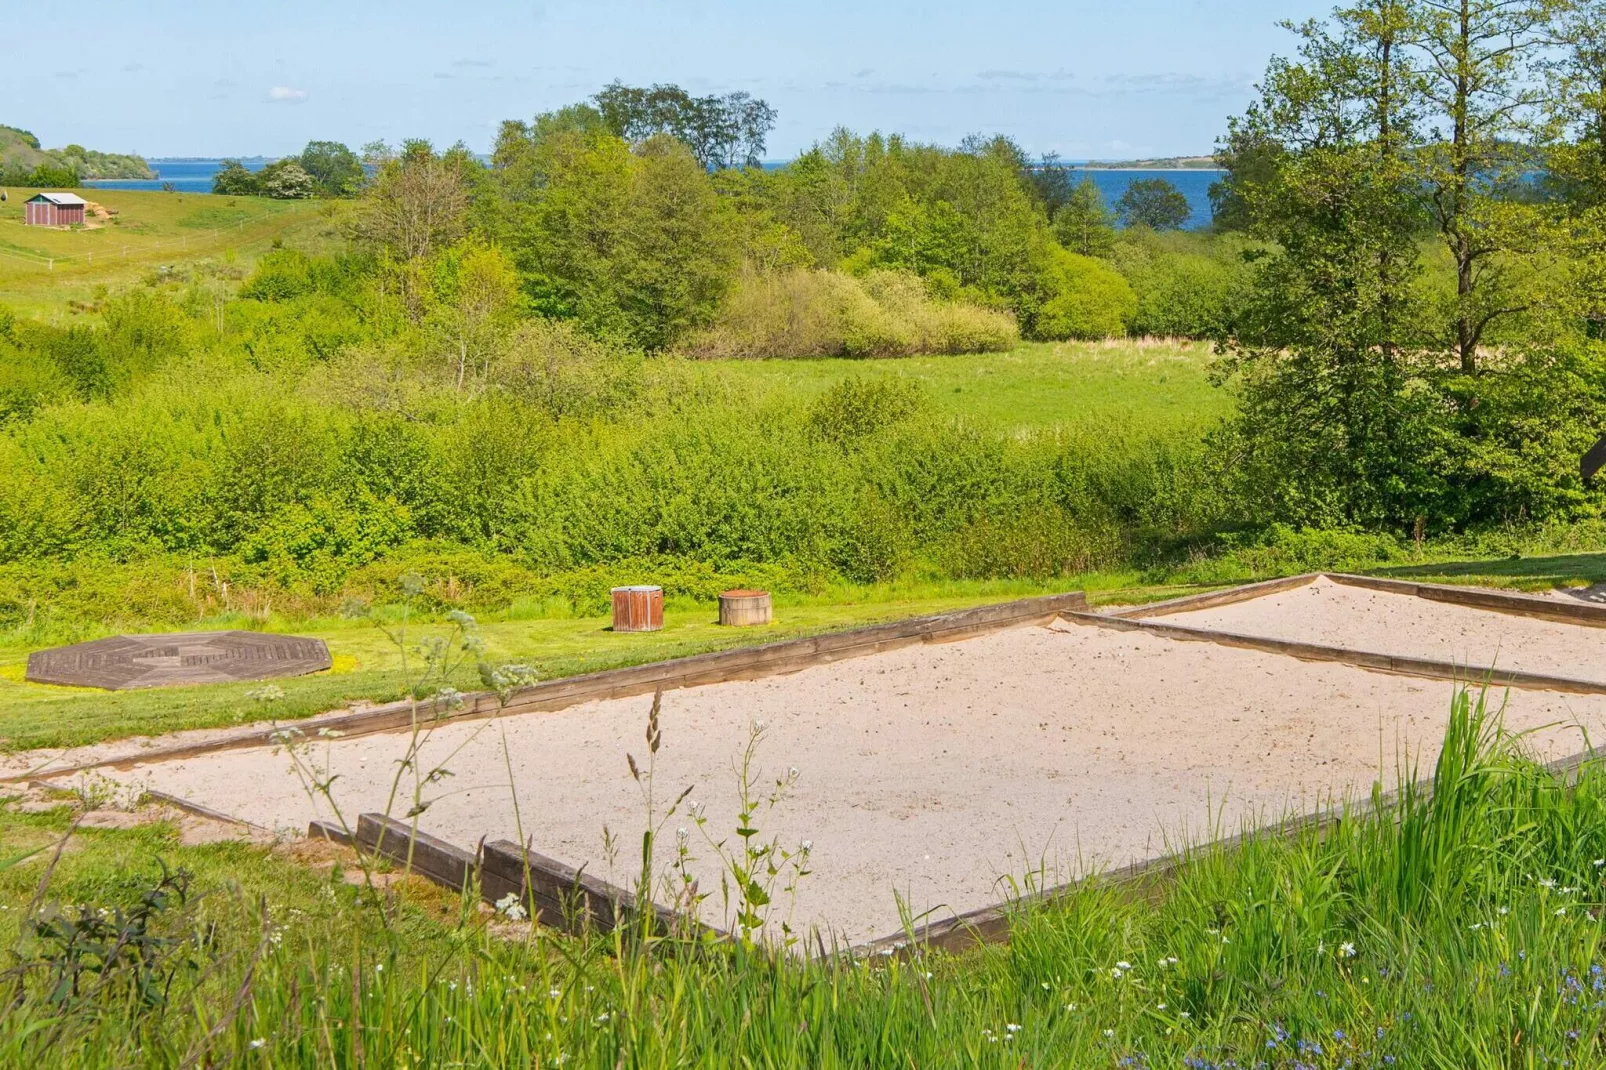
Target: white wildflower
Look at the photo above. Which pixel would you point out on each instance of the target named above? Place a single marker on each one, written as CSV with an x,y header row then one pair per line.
x,y
510,907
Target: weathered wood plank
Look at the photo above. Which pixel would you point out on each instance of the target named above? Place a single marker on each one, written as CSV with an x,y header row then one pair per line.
x,y
441,862
1511,602
1210,599
328,830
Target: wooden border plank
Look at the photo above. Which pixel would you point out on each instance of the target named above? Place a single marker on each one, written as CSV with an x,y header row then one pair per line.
x,y
328,830
742,663
1511,602
1396,664
450,867
1189,602
198,810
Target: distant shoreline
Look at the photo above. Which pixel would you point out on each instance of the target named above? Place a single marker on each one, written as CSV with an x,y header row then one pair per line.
x,y
1125,167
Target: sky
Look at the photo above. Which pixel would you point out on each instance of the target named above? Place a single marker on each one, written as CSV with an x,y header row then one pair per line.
x,y
1088,79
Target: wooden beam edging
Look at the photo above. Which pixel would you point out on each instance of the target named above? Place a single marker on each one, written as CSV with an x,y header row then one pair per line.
x,y
1517,604
198,810
741,663
553,894
1396,664
1146,878
1514,603
1210,599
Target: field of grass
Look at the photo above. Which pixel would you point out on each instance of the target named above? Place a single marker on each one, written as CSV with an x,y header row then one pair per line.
x,y
1159,385
1458,928
44,269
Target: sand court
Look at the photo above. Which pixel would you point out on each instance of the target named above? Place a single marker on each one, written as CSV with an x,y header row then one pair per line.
x,y
939,773
1337,614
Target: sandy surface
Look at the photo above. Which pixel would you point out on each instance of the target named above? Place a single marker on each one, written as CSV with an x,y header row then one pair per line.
x,y
933,772
1381,622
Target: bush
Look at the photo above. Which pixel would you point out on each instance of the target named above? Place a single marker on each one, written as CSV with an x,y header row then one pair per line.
x,y
804,313
1084,298
552,365
1188,286
857,407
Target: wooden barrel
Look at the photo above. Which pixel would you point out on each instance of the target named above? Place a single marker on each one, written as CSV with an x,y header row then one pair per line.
x,y
639,608
742,608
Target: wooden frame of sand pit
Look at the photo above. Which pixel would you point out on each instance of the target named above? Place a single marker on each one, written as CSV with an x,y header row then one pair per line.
x,y
557,891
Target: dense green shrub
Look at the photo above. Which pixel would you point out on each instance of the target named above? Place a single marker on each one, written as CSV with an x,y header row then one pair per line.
x,y
857,407
1187,285
1084,298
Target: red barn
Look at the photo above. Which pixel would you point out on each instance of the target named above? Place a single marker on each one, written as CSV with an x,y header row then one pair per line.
x,y
53,210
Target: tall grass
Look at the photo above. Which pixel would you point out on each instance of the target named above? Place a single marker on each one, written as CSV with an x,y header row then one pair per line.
x,y
1457,926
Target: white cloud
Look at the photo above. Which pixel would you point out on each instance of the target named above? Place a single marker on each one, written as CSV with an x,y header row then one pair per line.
x,y
285,93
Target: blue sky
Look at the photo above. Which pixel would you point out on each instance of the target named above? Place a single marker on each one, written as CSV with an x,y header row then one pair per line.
x,y
1085,78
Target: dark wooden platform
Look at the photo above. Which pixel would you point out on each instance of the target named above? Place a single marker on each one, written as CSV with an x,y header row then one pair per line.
x,y
130,661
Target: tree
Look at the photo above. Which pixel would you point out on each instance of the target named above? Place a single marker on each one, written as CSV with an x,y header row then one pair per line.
x,y
1055,182
235,181
1084,223
722,132
286,180
417,202
633,242
1476,64
336,171
476,293
1576,164
1155,203
1332,427
1086,298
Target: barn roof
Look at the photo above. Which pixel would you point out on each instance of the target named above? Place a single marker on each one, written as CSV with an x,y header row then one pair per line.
x,y
64,199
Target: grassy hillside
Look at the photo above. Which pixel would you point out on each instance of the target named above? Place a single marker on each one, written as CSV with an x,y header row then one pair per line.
x,y
45,272
20,149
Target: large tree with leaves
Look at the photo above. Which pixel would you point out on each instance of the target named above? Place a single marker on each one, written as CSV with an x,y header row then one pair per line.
x,y
1476,64
721,131
1327,428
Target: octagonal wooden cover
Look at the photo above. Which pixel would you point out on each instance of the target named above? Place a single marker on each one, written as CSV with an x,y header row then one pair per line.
x,y
129,661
